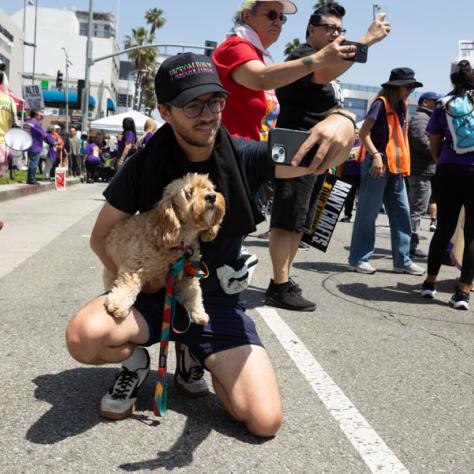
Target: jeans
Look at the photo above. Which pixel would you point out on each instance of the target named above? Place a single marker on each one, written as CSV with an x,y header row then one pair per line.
x,y
419,192
33,162
391,191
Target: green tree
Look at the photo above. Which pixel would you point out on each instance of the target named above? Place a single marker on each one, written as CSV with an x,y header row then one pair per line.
x,y
143,60
291,46
154,18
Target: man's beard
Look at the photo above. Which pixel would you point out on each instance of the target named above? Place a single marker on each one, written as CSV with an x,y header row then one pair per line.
x,y
186,135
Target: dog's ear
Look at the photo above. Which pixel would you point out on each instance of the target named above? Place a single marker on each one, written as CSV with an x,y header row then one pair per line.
x,y
210,234
168,225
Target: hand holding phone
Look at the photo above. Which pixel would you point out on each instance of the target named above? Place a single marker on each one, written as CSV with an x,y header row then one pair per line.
x,y
361,51
283,145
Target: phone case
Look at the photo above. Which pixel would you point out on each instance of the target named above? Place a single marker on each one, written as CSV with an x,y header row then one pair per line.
x,y
283,144
361,51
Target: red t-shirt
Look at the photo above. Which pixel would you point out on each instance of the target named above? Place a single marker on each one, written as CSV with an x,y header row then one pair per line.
x,y
248,113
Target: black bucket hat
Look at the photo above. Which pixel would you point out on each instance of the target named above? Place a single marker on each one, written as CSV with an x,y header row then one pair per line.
x,y
402,76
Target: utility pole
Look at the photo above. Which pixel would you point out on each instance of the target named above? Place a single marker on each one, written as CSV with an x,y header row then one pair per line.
x,y
85,96
66,92
34,41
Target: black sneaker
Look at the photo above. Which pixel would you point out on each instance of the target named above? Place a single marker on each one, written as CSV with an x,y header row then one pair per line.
x,y
459,300
428,290
296,288
288,297
119,401
272,287
189,376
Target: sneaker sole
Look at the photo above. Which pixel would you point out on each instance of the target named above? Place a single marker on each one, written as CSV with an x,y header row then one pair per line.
x,y
406,272
459,305
110,415
186,393
364,272
277,304
428,294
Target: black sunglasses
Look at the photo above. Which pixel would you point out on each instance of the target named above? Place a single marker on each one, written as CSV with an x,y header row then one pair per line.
x,y
332,28
272,15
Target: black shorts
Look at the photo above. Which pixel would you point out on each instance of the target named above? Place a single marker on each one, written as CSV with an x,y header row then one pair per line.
x,y
229,326
294,202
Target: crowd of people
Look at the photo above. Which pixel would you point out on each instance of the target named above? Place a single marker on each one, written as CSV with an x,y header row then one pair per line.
x,y
93,157
218,113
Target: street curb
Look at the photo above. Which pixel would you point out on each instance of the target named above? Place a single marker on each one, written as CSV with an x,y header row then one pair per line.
x,y
14,191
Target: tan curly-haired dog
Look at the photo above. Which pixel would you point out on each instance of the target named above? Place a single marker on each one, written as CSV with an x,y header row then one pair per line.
x,y
144,245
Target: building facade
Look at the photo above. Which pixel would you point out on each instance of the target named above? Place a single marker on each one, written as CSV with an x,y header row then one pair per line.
x,y
65,31
11,51
358,98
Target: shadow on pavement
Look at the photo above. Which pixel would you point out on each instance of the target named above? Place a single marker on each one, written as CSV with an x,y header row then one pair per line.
x,y
401,292
75,397
202,416
321,267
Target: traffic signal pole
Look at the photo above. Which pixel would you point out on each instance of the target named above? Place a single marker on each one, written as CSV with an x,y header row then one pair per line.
x,y
85,95
68,63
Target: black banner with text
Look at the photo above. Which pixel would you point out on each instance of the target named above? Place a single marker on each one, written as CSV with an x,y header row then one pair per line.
x,y
330,202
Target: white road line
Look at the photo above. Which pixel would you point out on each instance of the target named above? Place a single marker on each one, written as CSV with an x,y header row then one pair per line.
x,y
372,449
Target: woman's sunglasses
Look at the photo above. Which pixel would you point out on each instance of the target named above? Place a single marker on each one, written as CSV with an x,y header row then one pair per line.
x,y
272,15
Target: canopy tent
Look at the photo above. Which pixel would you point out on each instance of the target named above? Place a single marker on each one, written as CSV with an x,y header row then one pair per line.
x,y
113,123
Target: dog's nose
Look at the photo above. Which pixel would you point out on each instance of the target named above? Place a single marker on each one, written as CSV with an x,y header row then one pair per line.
x,y
211,198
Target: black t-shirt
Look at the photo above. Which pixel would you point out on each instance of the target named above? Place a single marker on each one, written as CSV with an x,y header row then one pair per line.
x,y
123,193
303,103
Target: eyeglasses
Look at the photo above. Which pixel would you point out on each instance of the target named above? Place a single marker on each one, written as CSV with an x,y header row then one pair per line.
x,y
194,109
272,15
410,87
330,28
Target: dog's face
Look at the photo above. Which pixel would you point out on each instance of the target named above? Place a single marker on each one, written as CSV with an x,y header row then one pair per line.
x,y
190,204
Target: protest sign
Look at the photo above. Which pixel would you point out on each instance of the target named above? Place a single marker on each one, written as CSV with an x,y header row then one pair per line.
x,y
33,95
330,202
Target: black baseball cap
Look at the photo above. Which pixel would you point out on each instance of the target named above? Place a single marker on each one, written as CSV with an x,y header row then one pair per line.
x,y
182,78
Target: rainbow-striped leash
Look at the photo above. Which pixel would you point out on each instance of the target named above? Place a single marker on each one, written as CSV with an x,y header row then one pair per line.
x,y
191,269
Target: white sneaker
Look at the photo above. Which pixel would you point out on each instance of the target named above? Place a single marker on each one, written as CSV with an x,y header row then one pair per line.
x,y
189,376
119,401
411,269
362,267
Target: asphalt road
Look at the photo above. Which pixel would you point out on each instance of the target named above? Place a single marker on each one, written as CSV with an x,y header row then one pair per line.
x,y
376,380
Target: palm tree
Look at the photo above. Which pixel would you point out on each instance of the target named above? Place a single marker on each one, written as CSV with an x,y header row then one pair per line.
x,y
154,18
291,46
143,59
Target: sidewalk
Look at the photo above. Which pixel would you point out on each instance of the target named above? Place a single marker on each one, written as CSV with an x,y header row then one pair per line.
x,y
13,191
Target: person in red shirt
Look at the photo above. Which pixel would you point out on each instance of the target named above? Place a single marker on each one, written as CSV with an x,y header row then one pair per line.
x,y
252,107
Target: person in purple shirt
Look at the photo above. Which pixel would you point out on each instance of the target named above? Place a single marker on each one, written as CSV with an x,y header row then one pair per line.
x,y
454,188
38,133
93,158
127,141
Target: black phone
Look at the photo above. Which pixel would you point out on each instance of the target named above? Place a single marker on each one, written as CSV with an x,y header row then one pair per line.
x,y
283,144
361,51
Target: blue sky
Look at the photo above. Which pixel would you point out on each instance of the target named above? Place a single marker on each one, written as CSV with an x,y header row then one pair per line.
x,y
425,33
